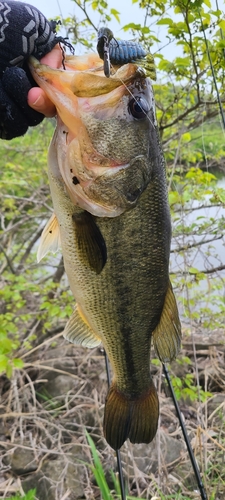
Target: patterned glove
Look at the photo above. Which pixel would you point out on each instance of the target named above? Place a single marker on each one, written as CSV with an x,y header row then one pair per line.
x,y
23,31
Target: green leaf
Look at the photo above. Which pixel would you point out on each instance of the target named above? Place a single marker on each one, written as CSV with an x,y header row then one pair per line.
x,y
193,270
116,14
186,137
165,20
174,197
94,5
132,26
3,363
221,24
18,363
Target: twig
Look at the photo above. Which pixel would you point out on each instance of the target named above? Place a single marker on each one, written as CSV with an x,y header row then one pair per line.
x,y
83,8
202,271
51,339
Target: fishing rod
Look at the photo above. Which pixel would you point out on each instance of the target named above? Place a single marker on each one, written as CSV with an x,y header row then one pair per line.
x,y
184,431
212,71
118,455
186,438
118,53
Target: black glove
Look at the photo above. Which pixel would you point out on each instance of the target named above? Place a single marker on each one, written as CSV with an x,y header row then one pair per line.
x,y
23,31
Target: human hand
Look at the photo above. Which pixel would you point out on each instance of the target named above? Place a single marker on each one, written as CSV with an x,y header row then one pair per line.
x,y
26,32
37,98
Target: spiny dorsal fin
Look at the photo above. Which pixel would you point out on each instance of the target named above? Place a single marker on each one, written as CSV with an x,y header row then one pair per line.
x,y
50,238
91,243
167,334
79,332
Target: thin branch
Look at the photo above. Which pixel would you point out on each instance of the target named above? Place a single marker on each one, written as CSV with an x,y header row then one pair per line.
x,y
8,260
28,250
200,207
196,244
83,8
202,271
181,117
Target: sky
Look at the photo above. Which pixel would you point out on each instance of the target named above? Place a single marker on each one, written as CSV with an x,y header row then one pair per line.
x,y
54,8
66,8
129,12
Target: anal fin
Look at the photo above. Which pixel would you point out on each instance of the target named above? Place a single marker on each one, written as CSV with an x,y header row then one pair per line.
x,y
50,238
79,332
167,334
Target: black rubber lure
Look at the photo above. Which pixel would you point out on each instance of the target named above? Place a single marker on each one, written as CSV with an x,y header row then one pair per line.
x,y
115,52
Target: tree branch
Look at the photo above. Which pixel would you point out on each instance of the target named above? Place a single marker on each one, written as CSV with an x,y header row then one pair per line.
x,y
202,271
196,244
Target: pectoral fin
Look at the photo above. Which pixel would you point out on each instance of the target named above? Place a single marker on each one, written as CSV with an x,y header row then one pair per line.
x,y
91,243
167,334
79,332
50,238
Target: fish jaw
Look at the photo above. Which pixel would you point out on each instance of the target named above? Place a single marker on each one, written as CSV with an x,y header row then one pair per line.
x,y
93,115
73,172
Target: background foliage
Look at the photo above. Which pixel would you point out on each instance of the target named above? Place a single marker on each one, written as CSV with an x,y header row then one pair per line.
x,y
34,299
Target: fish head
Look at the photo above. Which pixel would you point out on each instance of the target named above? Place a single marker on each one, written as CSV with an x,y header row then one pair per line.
x,y
106,131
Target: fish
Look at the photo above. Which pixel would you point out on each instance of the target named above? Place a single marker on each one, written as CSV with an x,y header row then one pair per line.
x,y
111,217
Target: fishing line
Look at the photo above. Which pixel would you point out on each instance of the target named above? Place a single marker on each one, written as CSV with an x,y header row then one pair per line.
x,y
118,455
221,31
212,71
137,102
166,373
186,438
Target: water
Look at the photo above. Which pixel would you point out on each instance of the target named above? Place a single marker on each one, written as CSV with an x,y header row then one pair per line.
x,y
201,298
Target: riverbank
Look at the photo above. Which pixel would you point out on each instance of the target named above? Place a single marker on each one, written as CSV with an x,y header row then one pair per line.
x,y
61,391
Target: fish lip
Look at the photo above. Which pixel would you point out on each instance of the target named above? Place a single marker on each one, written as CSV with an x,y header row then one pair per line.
x,y
74,79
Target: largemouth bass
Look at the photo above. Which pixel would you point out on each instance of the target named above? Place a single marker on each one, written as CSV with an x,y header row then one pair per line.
x,y
108,186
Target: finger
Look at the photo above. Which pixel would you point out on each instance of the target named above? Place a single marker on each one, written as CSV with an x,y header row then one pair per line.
x,y
37,98
53,58
39,101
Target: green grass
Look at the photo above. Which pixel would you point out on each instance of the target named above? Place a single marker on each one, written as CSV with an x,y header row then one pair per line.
x,y
101,481
29,496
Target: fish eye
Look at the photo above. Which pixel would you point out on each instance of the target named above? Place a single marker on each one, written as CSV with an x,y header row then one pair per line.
x,y
138,107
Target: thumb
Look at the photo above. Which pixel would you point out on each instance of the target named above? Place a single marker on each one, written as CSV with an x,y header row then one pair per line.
x,y
39,101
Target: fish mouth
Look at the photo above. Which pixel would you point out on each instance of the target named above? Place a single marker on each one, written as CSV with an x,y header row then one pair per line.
x,y
89,81
92,179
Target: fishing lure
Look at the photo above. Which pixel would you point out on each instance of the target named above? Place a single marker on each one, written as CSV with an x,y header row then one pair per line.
x,y
105,36
120,52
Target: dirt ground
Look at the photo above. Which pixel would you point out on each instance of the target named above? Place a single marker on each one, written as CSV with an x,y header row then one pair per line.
x,y
46,407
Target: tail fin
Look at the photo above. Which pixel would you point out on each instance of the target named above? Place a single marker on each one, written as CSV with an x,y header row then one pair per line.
x,y
136,419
